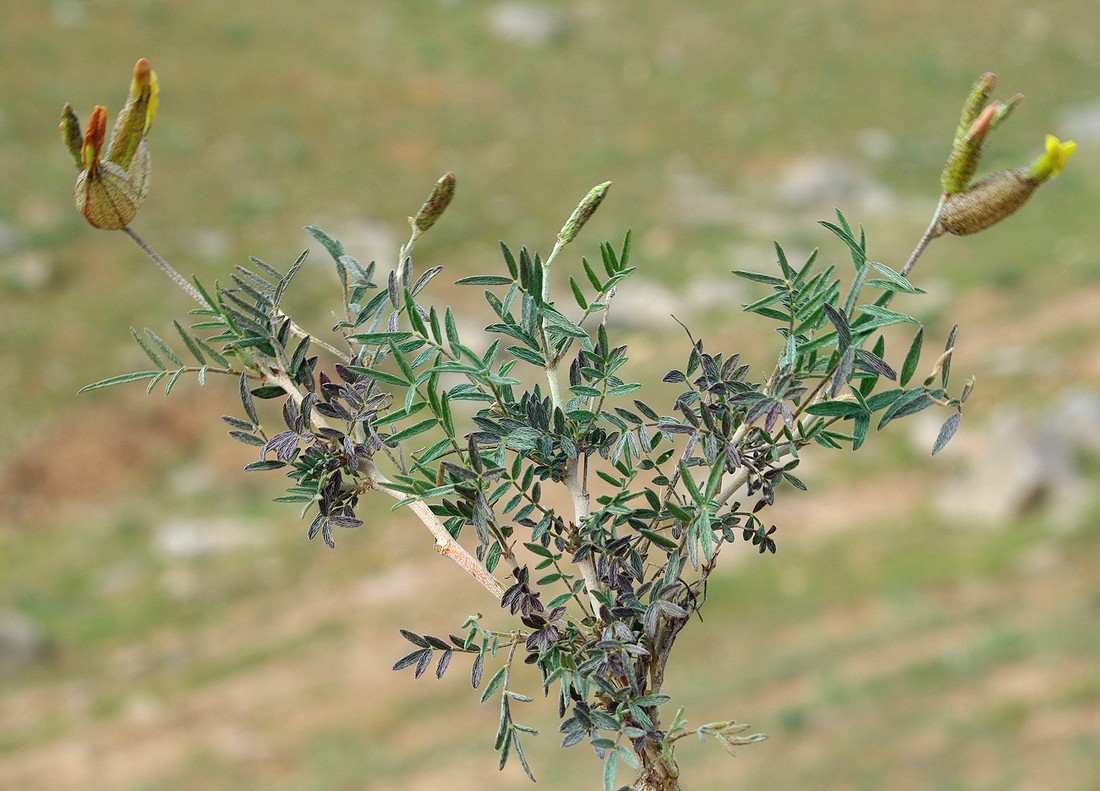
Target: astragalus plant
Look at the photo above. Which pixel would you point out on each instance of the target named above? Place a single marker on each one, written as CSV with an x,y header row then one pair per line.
x,y
592,517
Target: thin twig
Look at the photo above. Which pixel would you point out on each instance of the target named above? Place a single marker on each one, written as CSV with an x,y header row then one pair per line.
x,y
444,542
577,491
929,235
167,268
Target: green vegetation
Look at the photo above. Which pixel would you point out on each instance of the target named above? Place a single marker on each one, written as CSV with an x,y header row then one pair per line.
x,y
906,656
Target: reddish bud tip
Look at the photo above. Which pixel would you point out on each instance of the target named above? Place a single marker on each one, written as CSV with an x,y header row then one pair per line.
x,y
94,136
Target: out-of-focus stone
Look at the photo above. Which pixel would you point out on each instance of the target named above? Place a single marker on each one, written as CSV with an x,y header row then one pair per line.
x,y
22,643
184,539
1081,122
529,24
1018,466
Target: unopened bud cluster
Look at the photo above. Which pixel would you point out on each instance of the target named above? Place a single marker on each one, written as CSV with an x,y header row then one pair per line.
x,y
969,208
113,184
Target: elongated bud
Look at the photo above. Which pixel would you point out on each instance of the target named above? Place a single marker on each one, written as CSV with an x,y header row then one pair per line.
x,y
964,157
975,102
585,209
94,136
135,117
70,133
1004,109
987,202
436,203
975,123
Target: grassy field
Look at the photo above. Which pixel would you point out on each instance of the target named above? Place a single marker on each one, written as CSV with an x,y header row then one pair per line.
x,y
881,648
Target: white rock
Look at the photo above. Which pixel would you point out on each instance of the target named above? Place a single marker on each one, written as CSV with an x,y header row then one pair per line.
x,y
22,643
31,271
1020,465
819,184
529,24
182,539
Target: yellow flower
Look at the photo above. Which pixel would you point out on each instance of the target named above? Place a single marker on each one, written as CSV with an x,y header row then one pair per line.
x,y
112,185
1052,161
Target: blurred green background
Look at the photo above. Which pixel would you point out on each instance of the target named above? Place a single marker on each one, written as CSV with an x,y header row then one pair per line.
x,y
926,624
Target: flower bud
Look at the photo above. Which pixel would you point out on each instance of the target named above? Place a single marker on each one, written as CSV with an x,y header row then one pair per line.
x,y
986,203
585,209
975,123
113,183
105,194
70,133
997,196
136,116
964,157
975,102
94,136
436,203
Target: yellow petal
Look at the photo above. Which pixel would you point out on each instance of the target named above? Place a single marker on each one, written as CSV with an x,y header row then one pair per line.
x,y
1052,161
154,101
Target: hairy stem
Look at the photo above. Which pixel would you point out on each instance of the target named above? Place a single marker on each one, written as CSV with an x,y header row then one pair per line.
x,y
167,268
301,333
659,769
577,492
579,496
444,542
929,235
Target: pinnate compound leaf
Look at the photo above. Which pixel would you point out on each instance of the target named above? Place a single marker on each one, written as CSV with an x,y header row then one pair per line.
x,y
759,277
840,321
261,466
190,343
136,376
476,670
835,409
949,347
893,281
411,659
145,347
